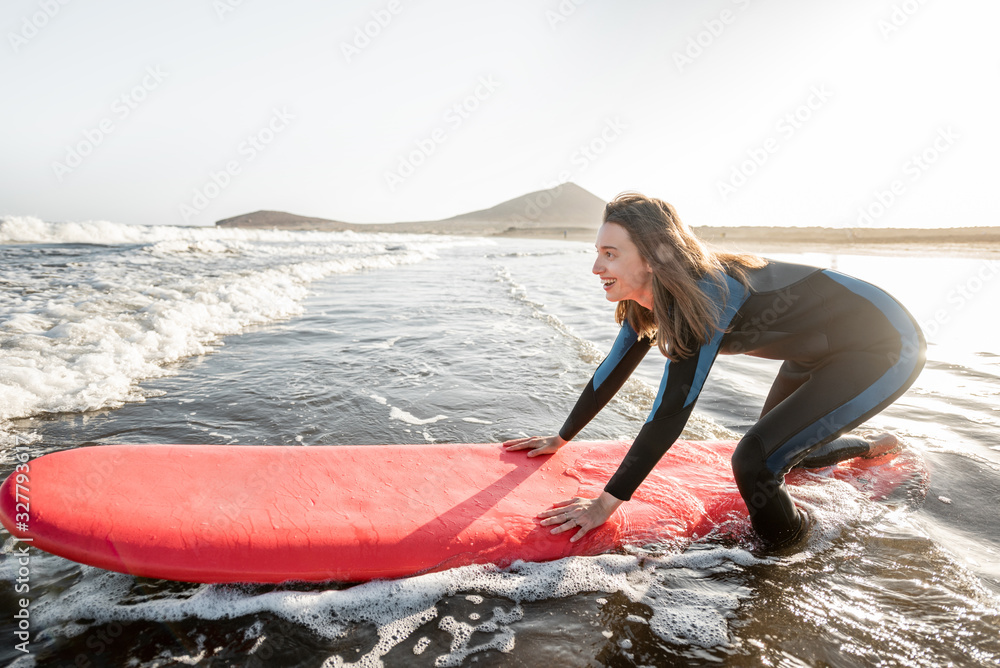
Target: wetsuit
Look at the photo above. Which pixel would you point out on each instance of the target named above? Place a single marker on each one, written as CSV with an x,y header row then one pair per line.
x,y
849,350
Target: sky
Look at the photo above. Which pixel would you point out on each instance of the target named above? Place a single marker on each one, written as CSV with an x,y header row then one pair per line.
x,y
861,113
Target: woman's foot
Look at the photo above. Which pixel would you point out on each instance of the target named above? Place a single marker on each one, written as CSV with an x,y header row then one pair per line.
x,y
869,446
881,444
837,450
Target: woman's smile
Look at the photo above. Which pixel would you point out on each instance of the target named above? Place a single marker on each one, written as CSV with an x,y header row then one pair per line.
x,y
624,273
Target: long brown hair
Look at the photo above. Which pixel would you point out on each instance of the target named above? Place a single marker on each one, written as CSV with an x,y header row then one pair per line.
x,y
683,315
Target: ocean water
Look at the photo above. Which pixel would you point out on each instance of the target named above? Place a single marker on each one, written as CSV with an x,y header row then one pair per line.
x,y
128,334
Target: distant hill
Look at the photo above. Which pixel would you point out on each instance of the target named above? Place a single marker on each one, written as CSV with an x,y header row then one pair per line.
x,y
565,207
567,204
283,221
570,212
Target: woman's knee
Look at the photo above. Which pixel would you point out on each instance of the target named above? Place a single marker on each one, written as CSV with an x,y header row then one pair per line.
x,y
755,480
772,511
747,461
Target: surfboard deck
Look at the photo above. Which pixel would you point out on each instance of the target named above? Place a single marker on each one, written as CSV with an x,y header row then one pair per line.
x,y
354,513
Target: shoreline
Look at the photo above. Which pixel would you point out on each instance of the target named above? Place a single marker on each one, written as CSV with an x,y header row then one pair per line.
x,y
908,242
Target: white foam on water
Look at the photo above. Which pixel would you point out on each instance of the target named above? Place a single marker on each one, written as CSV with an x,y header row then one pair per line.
x,y
475,420
461,633
421,645
28,229
11,438
406,417
384,345
399,609
409,418
81,335
182,238
23,661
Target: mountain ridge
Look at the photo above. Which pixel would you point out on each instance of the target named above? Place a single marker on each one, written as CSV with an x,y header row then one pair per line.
x,y
566,206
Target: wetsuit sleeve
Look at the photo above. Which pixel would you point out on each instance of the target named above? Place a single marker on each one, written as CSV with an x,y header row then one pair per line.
x,y
611,374
679,389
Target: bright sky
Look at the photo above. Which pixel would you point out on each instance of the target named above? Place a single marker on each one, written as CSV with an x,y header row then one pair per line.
x,y
739,112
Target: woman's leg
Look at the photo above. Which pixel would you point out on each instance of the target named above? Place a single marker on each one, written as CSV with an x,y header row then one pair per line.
x,y
790,377
836,396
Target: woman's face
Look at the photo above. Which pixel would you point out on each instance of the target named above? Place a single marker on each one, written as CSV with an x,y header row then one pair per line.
x,y
623,271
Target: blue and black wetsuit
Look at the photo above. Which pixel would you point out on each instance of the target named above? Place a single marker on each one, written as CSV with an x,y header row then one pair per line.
x,y
849,350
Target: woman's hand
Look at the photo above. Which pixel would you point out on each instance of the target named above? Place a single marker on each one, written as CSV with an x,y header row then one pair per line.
x,y
585,514
535,445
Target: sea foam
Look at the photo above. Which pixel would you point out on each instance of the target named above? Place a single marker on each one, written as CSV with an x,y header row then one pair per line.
x,y
79,333
405,611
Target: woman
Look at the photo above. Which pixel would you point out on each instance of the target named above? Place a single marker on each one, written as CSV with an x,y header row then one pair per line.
x,y
849,350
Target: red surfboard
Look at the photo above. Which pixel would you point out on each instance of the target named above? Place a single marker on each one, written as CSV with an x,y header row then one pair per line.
x,y
202,513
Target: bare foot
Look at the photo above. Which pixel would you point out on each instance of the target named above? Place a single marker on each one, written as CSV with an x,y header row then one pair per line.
x,y
881,444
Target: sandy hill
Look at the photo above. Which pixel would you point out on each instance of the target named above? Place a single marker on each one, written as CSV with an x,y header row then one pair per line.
x,y
565,207
567,204
283,221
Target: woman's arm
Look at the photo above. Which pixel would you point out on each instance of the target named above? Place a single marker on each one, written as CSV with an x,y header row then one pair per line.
x,y
679,389
611,374
673,406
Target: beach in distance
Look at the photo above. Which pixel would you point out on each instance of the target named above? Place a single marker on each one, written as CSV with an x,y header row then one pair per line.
x,y
570,212
975,241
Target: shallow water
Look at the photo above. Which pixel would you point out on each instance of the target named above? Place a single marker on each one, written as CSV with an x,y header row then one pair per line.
x,y
114,334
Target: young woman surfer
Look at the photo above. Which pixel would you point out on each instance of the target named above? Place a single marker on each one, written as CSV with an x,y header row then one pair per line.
x,y
848,350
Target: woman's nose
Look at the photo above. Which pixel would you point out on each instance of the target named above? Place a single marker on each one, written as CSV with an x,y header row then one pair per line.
x,y
598,265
